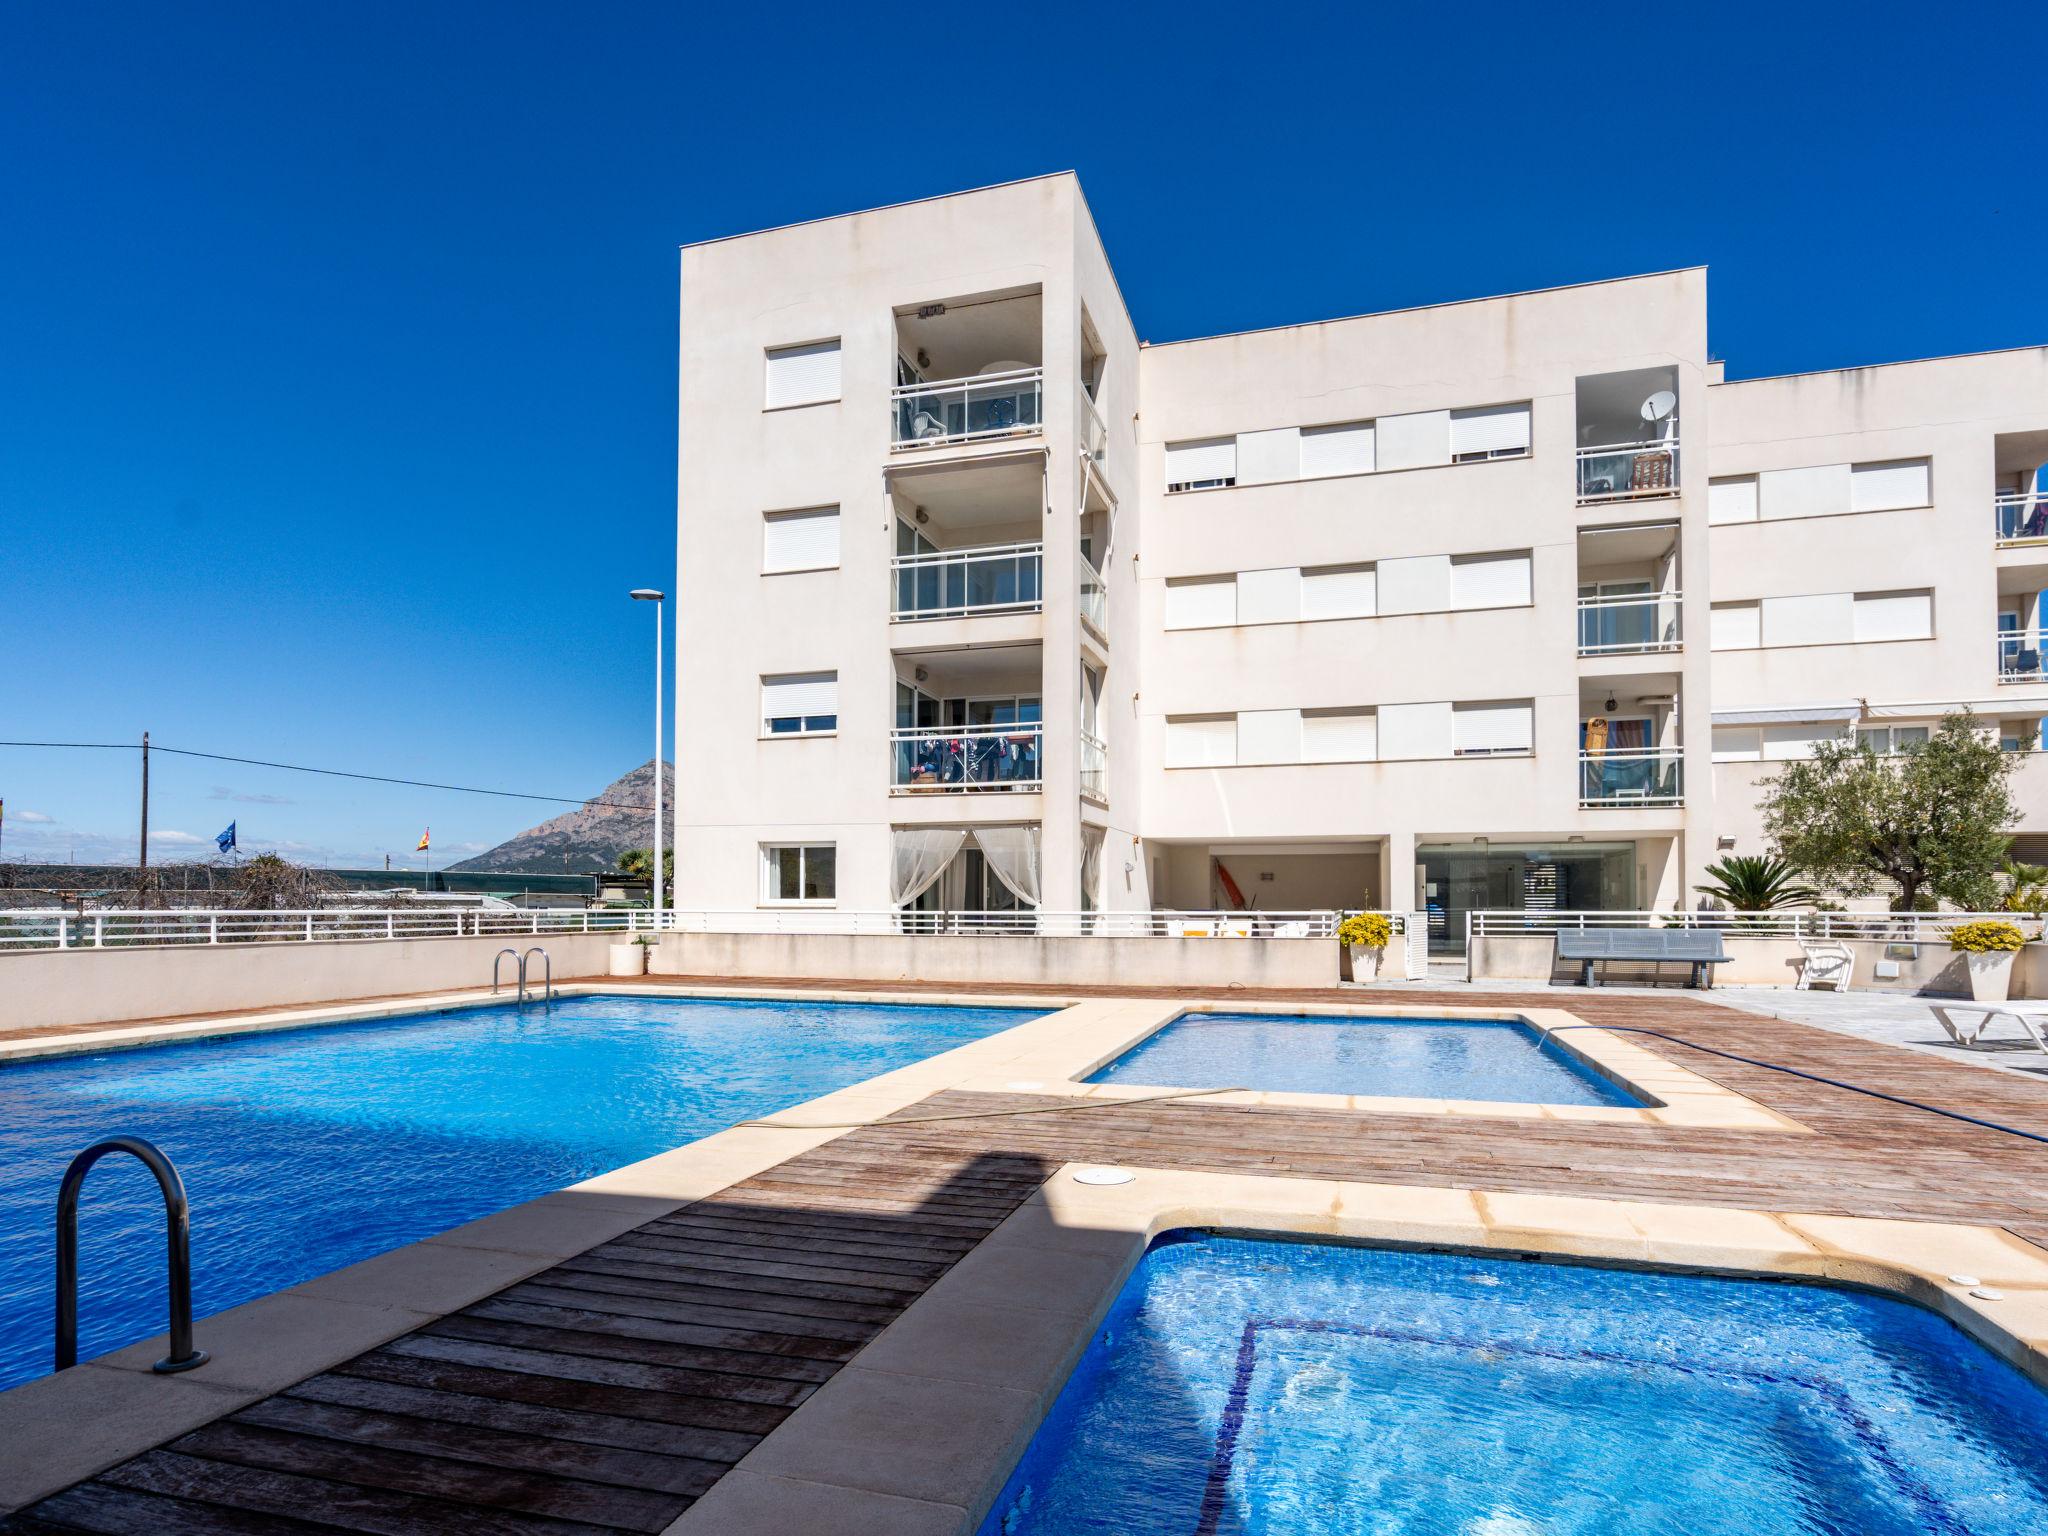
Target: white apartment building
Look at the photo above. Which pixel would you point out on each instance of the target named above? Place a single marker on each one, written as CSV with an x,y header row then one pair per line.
x,y
987,606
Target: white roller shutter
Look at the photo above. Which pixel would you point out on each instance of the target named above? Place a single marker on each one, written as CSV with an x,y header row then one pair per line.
x,y
1269,736
800,541
1269,597
1412,440
1346,449
799,693
1419,584
1339,592
1212,461
1736,626
1491,429
1882,487
1414,730
1489,581
803,375
1500,727
1732,500
1820,491
1737,744
1263,457
1894,615
1201,741
1201,602
1783,743
1339,736
1824,618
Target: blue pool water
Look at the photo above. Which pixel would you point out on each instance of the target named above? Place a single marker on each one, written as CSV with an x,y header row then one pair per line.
x,y
308,1150
1261,1388
1496,1059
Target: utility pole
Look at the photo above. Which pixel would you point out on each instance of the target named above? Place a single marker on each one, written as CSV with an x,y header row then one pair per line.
x,y
142,865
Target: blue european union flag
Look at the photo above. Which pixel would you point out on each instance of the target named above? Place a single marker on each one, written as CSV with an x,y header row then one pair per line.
x,y
227,838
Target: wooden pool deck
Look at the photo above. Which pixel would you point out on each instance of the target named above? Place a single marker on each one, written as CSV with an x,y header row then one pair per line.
x,y
609,1392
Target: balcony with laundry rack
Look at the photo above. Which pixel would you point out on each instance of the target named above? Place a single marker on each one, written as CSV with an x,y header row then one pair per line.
x,y
969,370
1627,434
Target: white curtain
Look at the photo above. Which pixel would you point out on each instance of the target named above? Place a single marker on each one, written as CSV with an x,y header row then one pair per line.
x,y
1013,858
919,856
1091,870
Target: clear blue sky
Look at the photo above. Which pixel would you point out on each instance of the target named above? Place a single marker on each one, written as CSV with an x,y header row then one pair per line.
x,y
336,343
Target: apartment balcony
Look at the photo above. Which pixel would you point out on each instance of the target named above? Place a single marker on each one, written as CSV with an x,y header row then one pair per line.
x,y
960,583
1628,436
2021,519
1094,768
1094,431
1644,470
1632,779
975,759
2020,653
942,413
1094,598
1628,624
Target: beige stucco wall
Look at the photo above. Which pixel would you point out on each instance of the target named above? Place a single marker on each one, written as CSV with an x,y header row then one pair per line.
x,y
44,988
1931,969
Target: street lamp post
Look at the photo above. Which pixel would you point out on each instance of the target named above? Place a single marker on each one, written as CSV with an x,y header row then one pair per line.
x,y
649,595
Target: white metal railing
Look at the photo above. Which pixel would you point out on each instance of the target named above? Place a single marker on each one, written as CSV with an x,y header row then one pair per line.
x,y
970,757
2022,517
931,415
1094,767
1094,430
1159,923
1649,777
122,928
1628,623
2020,653
985,578
1094,597
1626,471
1893,927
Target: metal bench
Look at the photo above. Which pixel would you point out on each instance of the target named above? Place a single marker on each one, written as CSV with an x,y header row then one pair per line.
x,y
1698,947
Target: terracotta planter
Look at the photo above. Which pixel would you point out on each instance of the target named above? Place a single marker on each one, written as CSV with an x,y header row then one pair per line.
x,y
1365,963
628,959
1990,975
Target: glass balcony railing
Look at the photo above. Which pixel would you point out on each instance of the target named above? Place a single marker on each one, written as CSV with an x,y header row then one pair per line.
x,y
1094,432
965,758
1094,598
2022,517
1094,768
1648,777
1628,471
934,414
2020,653
952,583
1630,623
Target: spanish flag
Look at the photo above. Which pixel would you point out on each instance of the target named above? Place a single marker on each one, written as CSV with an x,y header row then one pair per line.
x,y
423,841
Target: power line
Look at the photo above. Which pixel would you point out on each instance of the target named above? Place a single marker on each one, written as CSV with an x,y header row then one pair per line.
x,y
333,773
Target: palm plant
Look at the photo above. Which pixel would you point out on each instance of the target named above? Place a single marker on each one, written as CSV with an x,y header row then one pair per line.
x,y
2027,888
1754,883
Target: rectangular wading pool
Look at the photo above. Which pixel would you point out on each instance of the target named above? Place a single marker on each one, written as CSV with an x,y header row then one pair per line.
x,y
308,1149
1262,1387
1501,1060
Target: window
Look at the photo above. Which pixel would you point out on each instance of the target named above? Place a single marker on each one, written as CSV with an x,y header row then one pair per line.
x,y
1887,487
805,375
800,704
1344,449
1201,602
1489,581
1490,432
1894,616
1829,490
1887,739
1201,466
1339,592
1339,736
1201,741
799,873
800,541
1492,730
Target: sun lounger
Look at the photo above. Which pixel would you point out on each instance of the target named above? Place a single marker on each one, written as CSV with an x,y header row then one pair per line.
x,y
1827,965
1968,1033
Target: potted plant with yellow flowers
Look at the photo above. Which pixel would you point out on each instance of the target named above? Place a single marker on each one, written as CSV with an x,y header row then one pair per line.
x,y
1988,946
1366,935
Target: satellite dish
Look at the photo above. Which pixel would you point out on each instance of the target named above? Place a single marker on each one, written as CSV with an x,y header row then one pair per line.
x,y
1659,405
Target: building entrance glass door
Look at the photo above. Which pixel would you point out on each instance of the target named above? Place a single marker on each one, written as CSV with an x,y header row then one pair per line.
x,y
1463,877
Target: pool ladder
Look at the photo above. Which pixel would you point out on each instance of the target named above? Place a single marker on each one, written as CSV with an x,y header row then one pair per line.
x,y
547,972
178,1243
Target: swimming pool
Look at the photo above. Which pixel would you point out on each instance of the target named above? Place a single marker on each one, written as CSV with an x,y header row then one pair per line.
x,y
309,1149
1272,1388
1501,1060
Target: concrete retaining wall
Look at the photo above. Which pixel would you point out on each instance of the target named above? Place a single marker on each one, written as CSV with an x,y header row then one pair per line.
x,y
1072,962
1933,968
48,987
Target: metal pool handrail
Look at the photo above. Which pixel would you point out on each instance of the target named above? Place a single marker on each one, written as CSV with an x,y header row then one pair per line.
x,y
517,959
178,1246
547,970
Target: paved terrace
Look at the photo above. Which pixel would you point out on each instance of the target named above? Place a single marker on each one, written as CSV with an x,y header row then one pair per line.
x,y
611,1391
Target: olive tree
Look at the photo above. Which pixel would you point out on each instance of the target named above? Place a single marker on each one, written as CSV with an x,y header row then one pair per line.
x,y
1929,823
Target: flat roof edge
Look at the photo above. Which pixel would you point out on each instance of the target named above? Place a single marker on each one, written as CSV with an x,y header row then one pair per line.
x,y
854,213
1893,362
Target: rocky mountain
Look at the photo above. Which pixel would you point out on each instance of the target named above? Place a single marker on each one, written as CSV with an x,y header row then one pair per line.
x,y
589,838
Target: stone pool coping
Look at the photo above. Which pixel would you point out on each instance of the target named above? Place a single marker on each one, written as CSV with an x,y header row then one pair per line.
x,y
1675,1095
917,1434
